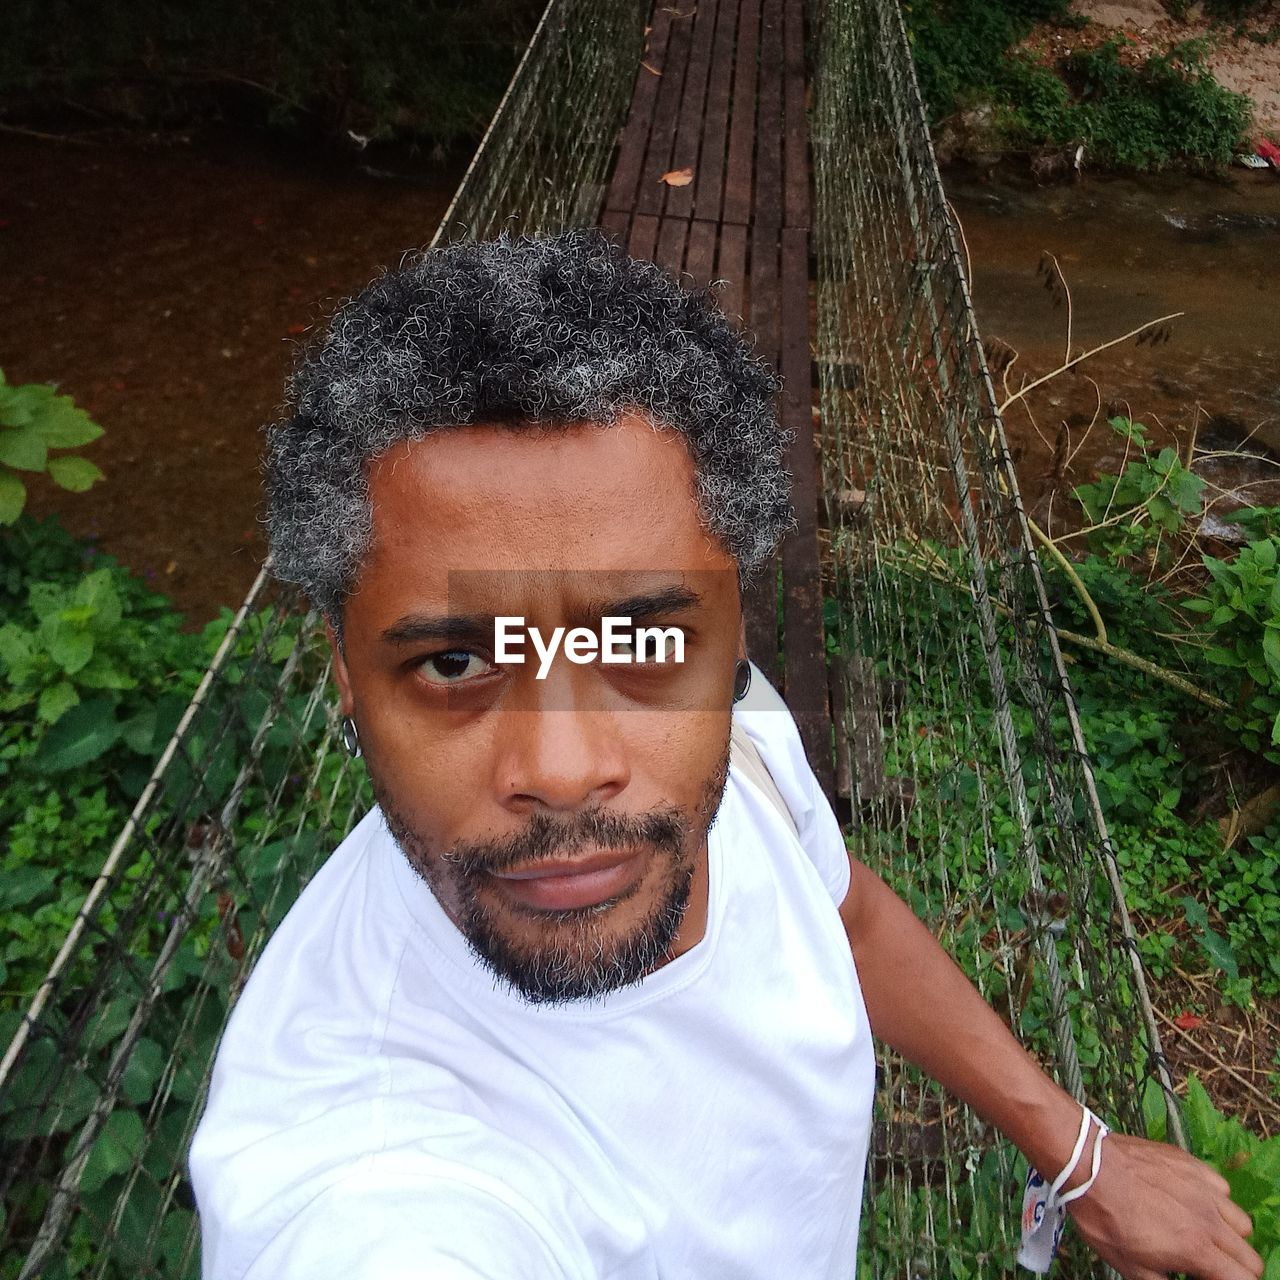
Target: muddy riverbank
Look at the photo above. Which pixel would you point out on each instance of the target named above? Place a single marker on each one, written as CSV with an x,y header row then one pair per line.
x,y
1131,250
164,285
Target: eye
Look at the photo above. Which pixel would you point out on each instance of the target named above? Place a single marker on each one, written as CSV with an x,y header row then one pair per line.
x,y
659,645
453,667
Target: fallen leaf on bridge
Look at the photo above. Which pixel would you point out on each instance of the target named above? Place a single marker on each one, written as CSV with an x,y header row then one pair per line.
x,y
677,177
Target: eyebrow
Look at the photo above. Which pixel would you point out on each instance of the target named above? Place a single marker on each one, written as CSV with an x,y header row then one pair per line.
x,y
423,628
651,604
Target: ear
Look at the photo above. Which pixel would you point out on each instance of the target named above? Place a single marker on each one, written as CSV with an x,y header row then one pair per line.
x,y
742,638
341,676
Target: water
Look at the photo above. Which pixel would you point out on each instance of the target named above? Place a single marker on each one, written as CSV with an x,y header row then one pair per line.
x,y
1131,250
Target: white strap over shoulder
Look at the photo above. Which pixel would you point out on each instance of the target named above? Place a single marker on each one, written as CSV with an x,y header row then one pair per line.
x,y
745,756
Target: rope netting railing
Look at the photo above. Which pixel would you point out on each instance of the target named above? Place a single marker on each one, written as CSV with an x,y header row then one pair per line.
x,y
972,792
104,1071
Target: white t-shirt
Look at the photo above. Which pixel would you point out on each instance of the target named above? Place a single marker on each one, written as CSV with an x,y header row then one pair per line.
x,y
382,1108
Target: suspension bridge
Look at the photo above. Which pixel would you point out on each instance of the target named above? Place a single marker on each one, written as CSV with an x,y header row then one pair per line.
x,y
778,148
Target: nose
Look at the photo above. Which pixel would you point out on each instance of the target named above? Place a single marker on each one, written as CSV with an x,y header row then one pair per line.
x,y
558,748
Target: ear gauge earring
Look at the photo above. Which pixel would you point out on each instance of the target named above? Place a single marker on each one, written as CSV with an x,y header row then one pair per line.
x,y
741,679
350,737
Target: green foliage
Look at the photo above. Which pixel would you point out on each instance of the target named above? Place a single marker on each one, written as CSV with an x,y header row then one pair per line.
x,y
33,420
960,47
1166,109
1240,611
1153,497
1250,1164
96,671
415,68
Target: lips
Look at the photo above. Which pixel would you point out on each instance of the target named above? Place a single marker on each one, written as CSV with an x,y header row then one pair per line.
x,y
581,882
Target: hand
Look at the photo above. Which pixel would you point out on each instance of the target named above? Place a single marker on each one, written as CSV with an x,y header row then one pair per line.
x,y
1153,1210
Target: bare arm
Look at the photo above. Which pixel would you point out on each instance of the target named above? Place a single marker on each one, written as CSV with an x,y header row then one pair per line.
x,y
1153,1208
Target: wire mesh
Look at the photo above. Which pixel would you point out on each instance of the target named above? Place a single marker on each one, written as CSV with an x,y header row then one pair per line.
x,y
105,1071
971,787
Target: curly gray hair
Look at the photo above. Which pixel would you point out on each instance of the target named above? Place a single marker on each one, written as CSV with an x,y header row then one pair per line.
x,y
550,330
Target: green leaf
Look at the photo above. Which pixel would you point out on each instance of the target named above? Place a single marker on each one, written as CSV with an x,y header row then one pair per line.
x,y
120,1140
13,496
70,647
1154,1112
1265,1161
16,650
97,591
73,473
1185,489
1202,1120
56,700
1247,1190
1221,572
1223,657
23,885
23,449
1219,951
1264,553
146,1065
139,732
64,425
110,1022
83,734
1196,915
1271,651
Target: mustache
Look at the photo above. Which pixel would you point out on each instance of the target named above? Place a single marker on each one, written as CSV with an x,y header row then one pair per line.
x,y
546,838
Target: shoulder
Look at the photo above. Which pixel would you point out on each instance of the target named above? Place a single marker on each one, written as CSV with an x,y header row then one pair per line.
x,y
765,717
403,1216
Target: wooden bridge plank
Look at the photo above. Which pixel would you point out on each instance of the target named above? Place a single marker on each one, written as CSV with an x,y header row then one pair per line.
x,y
662,135
690,130
764,322
731,106
767,207
739,163
644,236
731,267
617,223
795,160
700,257
635,133
672,235
806,661
709,184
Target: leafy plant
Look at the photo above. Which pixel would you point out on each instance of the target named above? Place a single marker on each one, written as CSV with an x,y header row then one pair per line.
x,y
1152,497
1165,109
35,419
1240,609
1250,1164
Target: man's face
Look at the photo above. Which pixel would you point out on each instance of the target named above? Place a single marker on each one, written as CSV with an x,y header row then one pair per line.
x,y
561,822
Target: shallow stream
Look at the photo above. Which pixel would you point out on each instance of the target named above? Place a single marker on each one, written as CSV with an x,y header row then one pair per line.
x,y
1132,250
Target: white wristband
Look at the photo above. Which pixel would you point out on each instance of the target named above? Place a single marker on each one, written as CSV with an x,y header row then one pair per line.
x,y
1043,1212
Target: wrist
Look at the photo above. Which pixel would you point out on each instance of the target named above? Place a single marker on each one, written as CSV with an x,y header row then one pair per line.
x,y
1044,1125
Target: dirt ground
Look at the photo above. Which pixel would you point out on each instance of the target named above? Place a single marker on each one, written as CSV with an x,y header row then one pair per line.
x,y
1244,57
164,284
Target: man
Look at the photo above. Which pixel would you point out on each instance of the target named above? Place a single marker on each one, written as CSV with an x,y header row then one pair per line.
x,y
582,998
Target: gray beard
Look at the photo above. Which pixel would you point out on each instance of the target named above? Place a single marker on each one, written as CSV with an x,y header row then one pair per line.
x,y
577,958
